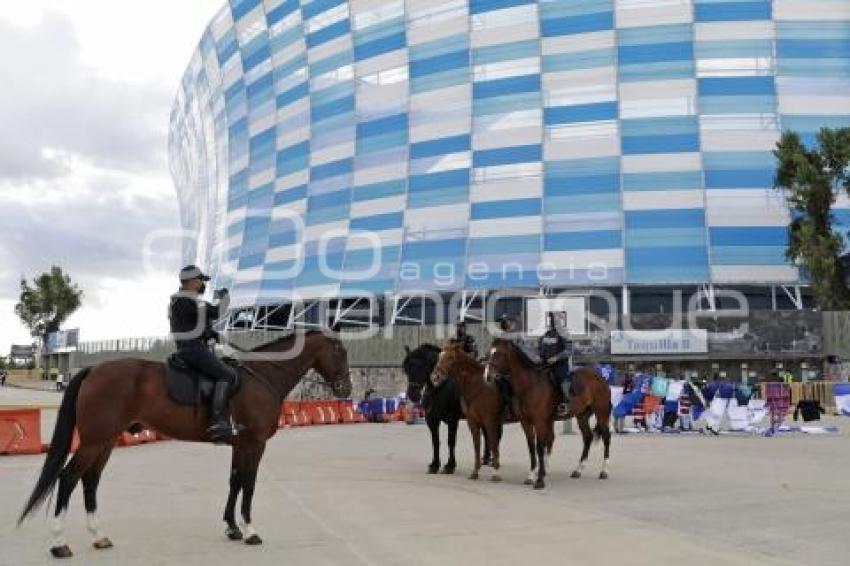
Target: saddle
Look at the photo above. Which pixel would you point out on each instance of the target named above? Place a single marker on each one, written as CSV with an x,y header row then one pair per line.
x,y
188,387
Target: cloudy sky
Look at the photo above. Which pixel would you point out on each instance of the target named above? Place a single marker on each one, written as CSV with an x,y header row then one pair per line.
x,y
87,91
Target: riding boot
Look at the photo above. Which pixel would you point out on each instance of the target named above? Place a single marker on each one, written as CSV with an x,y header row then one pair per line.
x,y
507,400
220,428
563,406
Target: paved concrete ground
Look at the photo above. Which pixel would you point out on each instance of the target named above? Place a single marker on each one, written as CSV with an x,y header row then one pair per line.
x,y
357,495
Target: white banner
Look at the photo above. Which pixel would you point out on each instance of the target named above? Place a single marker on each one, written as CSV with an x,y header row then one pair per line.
x,y
570,314
659,341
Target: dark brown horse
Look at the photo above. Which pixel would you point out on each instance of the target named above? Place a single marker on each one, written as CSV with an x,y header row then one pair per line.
x,y
104,400
481,401
535,402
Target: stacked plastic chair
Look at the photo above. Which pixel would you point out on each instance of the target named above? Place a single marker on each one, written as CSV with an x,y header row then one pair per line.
x,y
778,397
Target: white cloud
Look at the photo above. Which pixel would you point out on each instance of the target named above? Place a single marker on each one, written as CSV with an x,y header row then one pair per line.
x,y
88,87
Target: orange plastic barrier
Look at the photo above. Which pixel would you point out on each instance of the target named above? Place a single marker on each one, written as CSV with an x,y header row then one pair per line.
x,y
127,439
294,414
148,436
317,412
20,431
400,414
330,410
349,414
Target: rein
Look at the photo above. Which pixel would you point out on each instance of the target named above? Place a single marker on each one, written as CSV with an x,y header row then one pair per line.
x,y
263,379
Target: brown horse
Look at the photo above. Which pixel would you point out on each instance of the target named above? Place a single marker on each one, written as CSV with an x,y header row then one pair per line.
x,y
481,401
102,401
535,402
590,395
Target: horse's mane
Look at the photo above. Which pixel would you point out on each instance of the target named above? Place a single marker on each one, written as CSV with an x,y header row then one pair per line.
x,y
466,358
421,351
427,346
284,339
524,360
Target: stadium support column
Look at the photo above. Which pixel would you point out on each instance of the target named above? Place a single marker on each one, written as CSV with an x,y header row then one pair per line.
x,y
624,300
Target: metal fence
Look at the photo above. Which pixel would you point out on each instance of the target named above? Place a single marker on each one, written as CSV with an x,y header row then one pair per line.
x,y
768,334
140,344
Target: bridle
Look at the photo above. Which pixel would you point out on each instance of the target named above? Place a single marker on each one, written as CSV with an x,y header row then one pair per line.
x,y
265,381
492,376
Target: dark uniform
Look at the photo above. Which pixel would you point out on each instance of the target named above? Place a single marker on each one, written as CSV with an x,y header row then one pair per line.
x,y
508,326
191,320
467,341
554,352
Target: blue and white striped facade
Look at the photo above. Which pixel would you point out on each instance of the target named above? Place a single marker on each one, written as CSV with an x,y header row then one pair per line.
x,y
485,144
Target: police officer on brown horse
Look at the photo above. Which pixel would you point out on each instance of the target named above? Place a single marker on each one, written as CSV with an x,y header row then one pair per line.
x,y
555,355
466,340
191,319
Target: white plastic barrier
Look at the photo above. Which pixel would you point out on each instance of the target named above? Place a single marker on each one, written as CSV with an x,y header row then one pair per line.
x,y
842,399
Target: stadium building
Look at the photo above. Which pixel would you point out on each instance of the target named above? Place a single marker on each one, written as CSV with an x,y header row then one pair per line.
x,y
353,160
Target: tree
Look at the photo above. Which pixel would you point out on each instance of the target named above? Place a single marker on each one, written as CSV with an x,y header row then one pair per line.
x,y
45,305
811,179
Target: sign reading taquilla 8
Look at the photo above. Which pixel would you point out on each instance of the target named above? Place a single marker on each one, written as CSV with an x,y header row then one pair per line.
x,y
659,341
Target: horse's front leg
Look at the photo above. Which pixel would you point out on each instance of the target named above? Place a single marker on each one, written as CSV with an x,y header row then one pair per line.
x,y
475,430
434,428
233,532
451,465
487,458
540,482
492,437
532,452
248,473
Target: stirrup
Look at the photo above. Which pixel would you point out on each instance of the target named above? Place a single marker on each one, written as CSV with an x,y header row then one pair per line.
x,y
221,431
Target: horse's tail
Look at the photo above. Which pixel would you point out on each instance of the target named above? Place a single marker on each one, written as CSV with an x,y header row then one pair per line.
x,y
599,431
601,428
60,446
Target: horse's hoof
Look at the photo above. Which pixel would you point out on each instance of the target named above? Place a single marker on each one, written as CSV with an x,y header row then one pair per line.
x,y
233,533
539,484
575,475
495,478
102,543
433,469
473,476
528,481
253,540
448,470
603,475
63,551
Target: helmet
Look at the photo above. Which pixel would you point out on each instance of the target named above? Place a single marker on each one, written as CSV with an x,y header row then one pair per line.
x,y
506,321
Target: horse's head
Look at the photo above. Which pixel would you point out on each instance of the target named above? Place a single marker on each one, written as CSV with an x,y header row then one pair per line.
x,y
452,350
418,365
331,361
499,361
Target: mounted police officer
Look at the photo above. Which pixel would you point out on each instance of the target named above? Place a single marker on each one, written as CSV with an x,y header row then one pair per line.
x,y
555,353
191,320
466,340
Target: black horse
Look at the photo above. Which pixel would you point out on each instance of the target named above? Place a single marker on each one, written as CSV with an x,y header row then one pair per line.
x,y
441,404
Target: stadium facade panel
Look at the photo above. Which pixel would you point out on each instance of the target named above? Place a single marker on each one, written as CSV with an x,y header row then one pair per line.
x,y
346,147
